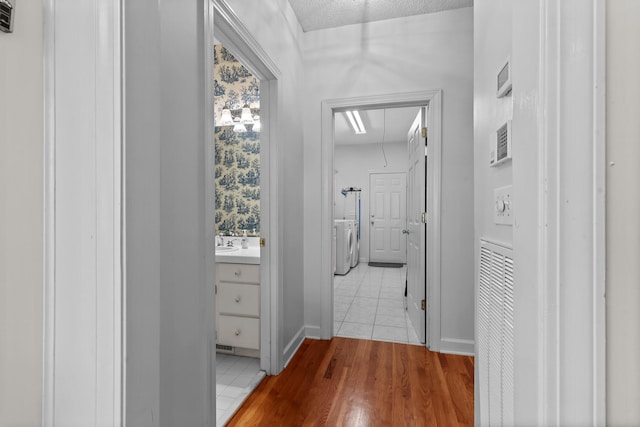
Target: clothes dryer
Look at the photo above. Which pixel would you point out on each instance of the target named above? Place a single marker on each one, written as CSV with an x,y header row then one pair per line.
x,y
344,246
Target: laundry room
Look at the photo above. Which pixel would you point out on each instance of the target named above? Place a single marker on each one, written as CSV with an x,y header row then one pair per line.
x,y
372,150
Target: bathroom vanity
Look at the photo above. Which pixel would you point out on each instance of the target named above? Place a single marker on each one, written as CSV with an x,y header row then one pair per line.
x,y
238,301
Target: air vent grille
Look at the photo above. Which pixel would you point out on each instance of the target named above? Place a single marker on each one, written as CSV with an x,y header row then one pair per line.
x,y
6,16
503,142
495,335
224,348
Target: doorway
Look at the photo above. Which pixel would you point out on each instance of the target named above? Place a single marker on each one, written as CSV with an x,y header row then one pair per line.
x,y
236,39
329,109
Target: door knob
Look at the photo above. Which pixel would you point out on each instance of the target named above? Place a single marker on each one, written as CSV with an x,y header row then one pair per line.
x,y
405,231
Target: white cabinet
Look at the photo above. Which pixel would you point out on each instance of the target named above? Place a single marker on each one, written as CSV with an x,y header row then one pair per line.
x,y
238,305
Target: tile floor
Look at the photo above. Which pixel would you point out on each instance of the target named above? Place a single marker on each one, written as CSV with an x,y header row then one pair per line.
x,y
236,378
368,303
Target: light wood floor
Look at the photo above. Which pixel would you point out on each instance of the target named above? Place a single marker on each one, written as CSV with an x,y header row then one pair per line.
x,y
349,382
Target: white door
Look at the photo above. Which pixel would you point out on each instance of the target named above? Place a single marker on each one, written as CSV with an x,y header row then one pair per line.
x,y
387,217
416,284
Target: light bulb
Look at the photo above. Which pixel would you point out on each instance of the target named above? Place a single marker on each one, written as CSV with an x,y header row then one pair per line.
x,y
256,124
246,118
225,118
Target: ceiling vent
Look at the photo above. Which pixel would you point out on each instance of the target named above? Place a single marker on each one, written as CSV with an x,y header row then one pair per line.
x,y
6,16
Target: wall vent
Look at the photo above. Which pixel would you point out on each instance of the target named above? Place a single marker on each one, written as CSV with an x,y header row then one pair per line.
x,y
6,16
495,308
224,349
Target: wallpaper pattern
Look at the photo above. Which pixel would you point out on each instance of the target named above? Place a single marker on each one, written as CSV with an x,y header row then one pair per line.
x,y
237,155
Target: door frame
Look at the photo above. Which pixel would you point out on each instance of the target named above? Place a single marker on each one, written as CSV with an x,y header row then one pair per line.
x,y
95,301
83,272
233,34
370,200
432,99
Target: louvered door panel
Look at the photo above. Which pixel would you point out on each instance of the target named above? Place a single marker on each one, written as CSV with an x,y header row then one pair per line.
x,y
495,334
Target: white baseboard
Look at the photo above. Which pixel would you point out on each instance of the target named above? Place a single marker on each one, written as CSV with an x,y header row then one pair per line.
x,y
312,332
456,346
293,346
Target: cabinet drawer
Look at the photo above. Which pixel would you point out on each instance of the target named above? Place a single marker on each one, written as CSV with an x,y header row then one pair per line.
x,y
239,331
238,298
246,273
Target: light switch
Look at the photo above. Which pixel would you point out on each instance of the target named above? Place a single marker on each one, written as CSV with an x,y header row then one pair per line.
x,y
503,205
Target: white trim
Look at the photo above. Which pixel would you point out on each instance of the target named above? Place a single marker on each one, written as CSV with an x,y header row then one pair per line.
x,y
210,205
600,225
434,180
572,242
48,326
232,33
292,348
456,346
432,98
312,332
83,361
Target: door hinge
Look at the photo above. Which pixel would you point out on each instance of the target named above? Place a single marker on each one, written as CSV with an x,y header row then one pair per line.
x,y
424,132
216,289
263,242
423,218
423,305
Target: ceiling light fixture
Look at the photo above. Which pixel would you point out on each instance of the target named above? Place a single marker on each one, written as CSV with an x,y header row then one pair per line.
x,y
356,122
226,119
239,127
240,119
256,124
246,118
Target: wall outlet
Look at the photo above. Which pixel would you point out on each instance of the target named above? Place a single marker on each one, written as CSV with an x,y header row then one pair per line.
x,y
503,205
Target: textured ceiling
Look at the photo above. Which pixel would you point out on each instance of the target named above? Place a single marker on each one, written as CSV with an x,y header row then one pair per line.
x,y
320,14
391,124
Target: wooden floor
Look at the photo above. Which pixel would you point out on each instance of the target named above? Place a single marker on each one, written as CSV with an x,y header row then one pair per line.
x,y
348,382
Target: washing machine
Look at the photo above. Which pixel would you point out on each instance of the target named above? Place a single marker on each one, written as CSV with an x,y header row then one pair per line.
x,y
355,251
344,245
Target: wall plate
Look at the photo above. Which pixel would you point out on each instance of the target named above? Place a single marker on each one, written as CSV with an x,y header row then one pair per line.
x,y
503,205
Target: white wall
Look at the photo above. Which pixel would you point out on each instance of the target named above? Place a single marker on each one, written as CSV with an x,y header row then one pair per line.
x,y
557,198
21,218
623,211
168,306
492,46
354,163
165,152
432,51
142,213
276,28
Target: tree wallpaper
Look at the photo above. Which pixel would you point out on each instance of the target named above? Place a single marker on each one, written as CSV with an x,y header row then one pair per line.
x,y
237,155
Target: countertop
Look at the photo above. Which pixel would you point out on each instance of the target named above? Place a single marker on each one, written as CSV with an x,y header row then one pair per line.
x,y
251,255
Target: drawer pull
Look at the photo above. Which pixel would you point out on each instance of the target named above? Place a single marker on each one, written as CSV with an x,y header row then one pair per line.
x,y
238,298
237,273
237,332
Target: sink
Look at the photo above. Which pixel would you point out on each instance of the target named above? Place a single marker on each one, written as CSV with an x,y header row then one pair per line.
x,y
226,249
